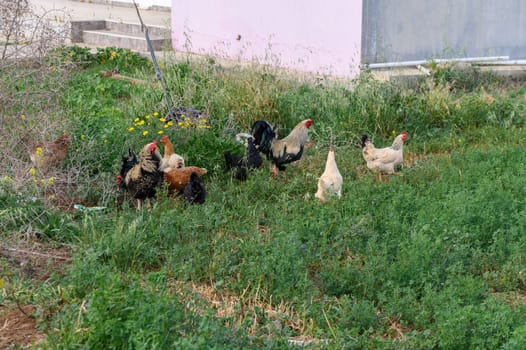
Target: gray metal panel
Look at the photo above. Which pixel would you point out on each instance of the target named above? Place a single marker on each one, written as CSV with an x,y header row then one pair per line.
x,y
406,30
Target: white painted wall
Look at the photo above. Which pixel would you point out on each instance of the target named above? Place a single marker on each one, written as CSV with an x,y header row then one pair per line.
x,y
306,35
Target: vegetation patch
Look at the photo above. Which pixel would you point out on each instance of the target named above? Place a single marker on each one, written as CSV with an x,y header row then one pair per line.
x,y
430,257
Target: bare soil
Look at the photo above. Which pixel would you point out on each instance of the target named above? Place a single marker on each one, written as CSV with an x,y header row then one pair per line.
x,y
34,262
17,327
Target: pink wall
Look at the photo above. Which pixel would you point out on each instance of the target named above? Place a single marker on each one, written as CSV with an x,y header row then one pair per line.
x,y
307,35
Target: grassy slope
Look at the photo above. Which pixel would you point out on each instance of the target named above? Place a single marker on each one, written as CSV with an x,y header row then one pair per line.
x,y
430,258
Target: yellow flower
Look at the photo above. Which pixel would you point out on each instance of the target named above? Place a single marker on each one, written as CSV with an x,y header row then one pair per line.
x,y
83,137
136,120
113,54
50,181
162,120
166,126
32,172
39,151
160,132
22,116
155,114
147,117
170,123
179,123
140,122
145,132
131,129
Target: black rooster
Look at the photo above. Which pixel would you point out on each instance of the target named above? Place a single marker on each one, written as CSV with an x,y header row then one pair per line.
x,y
241,165
127,163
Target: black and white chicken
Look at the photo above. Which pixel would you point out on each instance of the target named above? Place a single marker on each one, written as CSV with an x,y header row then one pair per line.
x,y
281,151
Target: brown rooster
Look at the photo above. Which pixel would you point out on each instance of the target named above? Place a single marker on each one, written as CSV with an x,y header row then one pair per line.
x,y
142,175
171,160
284,151
46,155
178,178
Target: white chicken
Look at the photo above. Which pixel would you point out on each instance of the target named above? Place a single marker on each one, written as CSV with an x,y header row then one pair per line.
x,y
171,160
330,182
385,160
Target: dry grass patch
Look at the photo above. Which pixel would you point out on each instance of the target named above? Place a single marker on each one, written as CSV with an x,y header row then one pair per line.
x,y
244,308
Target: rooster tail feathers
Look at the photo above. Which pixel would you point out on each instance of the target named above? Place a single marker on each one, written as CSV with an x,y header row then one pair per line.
x,y
131,155
253,158
231,160
228,160
365,138
263,134
194,191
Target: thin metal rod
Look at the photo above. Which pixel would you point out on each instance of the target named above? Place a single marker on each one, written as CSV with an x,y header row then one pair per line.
x,y
504,63
438,60
158,72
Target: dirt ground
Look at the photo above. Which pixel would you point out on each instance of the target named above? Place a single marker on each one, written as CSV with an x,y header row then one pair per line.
x,y
34,262
17,327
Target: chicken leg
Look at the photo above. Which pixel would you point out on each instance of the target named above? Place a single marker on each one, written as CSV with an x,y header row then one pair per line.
x,y
274,171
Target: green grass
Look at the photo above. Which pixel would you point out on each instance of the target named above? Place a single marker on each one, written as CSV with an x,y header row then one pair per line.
x,y
431,258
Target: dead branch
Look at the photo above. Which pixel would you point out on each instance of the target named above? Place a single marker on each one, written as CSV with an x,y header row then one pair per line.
x,y
28,252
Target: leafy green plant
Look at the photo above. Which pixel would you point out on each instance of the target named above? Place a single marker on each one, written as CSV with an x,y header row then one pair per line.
x,y
122,59
77,55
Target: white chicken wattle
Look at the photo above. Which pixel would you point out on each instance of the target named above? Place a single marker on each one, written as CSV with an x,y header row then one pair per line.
x,y
385,160
330,182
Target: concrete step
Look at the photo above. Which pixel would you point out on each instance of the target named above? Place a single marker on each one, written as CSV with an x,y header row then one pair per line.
x,y
105,33
135,28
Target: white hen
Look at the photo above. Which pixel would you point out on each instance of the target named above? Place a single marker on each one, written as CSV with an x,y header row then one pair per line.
x,y
171,160
385,159
330,182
